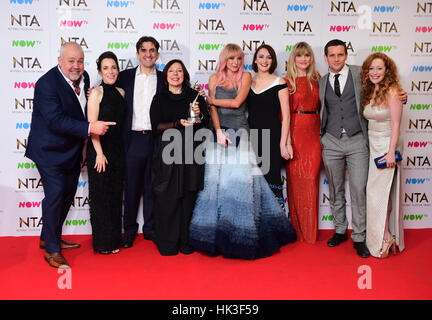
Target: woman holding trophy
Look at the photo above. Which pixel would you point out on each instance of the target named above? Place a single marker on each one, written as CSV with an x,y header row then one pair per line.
x,y
176,175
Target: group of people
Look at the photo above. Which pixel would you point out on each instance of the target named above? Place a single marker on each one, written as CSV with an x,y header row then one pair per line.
x,y
212,182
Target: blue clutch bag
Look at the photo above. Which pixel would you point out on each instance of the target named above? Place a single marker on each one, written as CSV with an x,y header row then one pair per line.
x,y
380,165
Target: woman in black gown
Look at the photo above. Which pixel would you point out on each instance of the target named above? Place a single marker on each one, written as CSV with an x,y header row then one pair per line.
x,y
267,99
175,183
105,160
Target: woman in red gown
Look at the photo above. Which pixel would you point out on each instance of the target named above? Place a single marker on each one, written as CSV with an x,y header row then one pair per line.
x,y
304,169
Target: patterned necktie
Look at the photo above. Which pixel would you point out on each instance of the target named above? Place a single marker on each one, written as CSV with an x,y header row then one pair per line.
x,y
76,86
337,85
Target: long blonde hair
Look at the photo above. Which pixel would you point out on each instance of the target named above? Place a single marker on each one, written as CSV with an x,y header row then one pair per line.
x,y
292,73
228,51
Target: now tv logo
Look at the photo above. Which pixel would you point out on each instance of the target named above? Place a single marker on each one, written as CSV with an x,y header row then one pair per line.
x,y
418,144
22,1
342,28
417,180
120,45
204,86
384,9
423,29
422,68
23,125
72,23
420,106
255,27
24,43
24,85
82,184
211,5
415,217
210,46
299,7
165,26
382,48
28,204
119,4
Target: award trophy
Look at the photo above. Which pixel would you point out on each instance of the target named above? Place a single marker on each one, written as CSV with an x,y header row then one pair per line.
x,y
193,118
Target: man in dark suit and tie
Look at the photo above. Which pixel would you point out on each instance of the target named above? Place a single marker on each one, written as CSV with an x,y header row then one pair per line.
x,y
140,85
58,131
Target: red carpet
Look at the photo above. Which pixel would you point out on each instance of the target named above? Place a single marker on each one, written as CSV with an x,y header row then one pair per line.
x,y
299,271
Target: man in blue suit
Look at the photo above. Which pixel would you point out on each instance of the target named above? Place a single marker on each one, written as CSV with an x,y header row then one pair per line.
x,y
140,85
58,131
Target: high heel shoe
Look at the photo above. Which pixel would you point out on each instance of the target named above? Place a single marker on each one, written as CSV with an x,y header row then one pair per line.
x,y
391,245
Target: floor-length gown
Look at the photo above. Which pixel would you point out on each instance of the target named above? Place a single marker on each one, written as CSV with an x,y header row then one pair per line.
x,y
304,169
106,188
383,184
236,214
177,175
263,113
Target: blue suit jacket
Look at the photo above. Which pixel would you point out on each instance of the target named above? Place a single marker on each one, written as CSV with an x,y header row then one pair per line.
x,y
58,127
126,81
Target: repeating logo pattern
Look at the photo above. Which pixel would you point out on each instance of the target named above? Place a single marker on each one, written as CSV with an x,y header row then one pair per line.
x,y
196,31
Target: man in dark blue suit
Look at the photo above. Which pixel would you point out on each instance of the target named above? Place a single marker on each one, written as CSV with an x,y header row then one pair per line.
x,y
140,85
58,131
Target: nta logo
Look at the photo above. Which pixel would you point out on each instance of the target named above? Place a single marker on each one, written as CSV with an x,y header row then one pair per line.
x,y
72,3
257,5
344,6
166,4
24,19
298,26
421,86
213,24
421,124
120,23
386,26
425,7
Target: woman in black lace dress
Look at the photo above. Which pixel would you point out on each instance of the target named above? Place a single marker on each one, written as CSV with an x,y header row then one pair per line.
x,y
175,183
105,160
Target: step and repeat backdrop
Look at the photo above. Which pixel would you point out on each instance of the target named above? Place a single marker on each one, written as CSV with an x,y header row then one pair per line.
x,y
195,31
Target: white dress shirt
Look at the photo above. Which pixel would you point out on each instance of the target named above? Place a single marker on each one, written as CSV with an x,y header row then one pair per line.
x,y
144,90
342,81
342,78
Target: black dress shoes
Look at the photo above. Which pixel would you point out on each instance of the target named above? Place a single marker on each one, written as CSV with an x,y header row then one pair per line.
x,y
148,235
186,249
127,241
337,239
362,249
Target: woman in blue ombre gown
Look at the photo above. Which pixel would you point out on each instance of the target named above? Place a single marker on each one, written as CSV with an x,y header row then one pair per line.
x,y
236,214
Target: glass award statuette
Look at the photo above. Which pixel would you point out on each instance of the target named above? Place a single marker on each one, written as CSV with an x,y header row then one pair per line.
x,y
193,118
